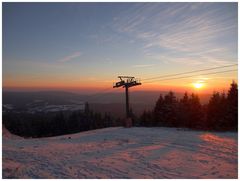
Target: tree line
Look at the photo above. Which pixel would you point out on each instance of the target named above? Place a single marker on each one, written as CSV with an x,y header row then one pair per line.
x,y
53,124
221,112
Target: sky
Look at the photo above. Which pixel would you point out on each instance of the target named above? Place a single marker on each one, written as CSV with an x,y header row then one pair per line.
x,y
85,46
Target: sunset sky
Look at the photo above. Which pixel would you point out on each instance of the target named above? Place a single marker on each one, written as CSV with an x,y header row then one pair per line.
x,y
85,46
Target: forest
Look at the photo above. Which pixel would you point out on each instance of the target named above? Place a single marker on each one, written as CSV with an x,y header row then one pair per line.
x,y
219,114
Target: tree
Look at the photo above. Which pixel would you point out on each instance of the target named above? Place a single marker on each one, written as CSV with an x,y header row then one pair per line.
x,y
170,109
232,106
158,111
196,113
146,119
165,111
216,112
74,122
60,123
86,108
183,111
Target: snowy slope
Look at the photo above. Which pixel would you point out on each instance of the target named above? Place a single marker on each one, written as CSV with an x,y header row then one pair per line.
x,y
123,153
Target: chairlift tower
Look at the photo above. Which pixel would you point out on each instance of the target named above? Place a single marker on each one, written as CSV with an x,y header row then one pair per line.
x,y
127,82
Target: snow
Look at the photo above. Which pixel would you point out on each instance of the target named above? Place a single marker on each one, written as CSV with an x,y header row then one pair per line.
x,y
123,153
55,108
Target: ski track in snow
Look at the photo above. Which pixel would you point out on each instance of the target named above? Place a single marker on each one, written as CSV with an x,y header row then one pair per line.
x,y
123,153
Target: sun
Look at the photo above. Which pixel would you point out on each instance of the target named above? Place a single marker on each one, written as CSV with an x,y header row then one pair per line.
x,y
198,85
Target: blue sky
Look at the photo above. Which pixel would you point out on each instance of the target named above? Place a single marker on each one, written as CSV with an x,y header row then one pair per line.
x,y
91,43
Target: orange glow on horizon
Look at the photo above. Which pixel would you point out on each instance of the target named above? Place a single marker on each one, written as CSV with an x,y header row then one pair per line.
x,y
102,89
206,86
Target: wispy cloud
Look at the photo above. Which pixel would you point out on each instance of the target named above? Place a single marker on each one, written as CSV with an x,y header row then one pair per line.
x,y
196,31
143,65
70,57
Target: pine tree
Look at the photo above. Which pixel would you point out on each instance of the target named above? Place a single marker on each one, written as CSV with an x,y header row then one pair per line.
x,y
222,122
196,113
183,111
170,109
74,122
232,106
158,111
146,119
59,122
216,112
165,111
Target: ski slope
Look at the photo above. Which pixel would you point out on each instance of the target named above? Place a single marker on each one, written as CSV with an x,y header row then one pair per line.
x,y
123,153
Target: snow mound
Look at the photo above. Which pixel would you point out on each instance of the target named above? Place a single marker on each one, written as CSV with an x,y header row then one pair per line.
x,y
6,134
123,153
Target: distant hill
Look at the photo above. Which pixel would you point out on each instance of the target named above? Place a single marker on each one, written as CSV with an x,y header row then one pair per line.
x,y
21,99
105,102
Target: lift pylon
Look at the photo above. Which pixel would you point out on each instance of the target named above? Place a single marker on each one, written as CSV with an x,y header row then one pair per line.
x,y
127,82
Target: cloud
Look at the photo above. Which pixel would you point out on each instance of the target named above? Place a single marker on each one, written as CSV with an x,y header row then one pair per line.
x,y
70,57
202,32
143,65
190,59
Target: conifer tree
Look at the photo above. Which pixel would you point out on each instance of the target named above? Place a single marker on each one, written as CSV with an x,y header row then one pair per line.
x,y
158,111
183,111
196,114
232,106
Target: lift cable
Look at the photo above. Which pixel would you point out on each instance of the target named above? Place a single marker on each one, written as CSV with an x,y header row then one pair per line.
x,y
201,70
159,78
210,73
